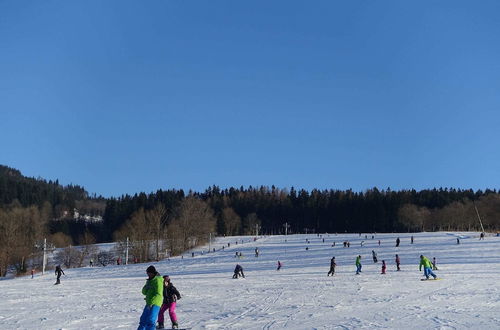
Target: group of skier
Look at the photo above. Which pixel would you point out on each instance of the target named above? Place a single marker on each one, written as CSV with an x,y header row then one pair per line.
x,y
160,295
424,262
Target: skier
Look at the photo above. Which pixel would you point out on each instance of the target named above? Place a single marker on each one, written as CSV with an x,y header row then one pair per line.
x,y
398,262
458,240
358,265
279,265
238,271
397,242
58,273
170,297
332,267
412,240
374,256
427,267
256,252
434,267
153,290
91,262
481,237
383,267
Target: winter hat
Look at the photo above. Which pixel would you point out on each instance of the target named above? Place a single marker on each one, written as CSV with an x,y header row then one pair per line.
x,y
151,269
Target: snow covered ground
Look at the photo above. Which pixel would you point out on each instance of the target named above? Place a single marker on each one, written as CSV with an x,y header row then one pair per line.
x,y
299,296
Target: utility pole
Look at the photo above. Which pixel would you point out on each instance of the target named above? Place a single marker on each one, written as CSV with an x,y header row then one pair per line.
x,y
480,222
286,225
126,253
44,262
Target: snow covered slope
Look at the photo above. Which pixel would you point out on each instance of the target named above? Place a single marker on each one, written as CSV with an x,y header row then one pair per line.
x,y
299,296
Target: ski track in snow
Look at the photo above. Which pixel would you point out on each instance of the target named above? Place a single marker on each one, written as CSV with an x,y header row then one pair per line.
x,y
299,296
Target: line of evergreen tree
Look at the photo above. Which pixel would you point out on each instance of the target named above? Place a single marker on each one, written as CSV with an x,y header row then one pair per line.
x,y
238,210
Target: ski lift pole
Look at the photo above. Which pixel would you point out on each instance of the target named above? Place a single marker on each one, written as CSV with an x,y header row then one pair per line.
x,y
44,255
126,253
480,222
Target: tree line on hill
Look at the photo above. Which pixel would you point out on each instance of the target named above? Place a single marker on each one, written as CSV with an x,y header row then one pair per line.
x,y
169,222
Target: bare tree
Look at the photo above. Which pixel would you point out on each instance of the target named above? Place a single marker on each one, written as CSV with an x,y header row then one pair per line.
x,y
156,219
87,248
60,240
249,222
69,257
192,222
139,232
413,217
232,221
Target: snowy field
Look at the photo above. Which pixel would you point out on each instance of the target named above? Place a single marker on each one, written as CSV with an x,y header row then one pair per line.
x,y
299,296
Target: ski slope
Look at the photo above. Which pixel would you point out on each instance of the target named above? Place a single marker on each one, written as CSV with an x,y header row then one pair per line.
x,y
299,296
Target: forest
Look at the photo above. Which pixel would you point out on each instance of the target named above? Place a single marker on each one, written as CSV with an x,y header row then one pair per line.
x,y
168,222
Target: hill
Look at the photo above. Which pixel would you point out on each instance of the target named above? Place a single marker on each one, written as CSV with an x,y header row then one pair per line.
x,y
299,296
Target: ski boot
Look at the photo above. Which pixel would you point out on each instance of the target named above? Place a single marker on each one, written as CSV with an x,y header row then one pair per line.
x,y
160,325
175,325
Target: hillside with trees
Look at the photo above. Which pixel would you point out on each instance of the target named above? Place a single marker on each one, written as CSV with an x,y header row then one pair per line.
x,y
169,222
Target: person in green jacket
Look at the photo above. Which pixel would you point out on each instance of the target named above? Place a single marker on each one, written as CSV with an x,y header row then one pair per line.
x,y
153,290
358,265
424,261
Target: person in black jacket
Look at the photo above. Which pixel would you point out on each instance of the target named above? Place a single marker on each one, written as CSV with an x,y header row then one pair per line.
x,y
58,273
238,271
332,267
170,297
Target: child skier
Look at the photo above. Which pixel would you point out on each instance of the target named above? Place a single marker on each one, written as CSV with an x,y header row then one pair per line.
x,y
383,267
374,256
434,267
170,297
398,262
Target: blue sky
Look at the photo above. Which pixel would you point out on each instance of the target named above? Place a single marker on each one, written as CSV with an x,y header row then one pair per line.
x,y
130,96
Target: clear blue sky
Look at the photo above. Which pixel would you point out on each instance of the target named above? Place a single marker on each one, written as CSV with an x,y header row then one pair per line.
x,y
130,96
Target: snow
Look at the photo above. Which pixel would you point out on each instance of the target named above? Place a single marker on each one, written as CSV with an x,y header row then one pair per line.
x,y
299,296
